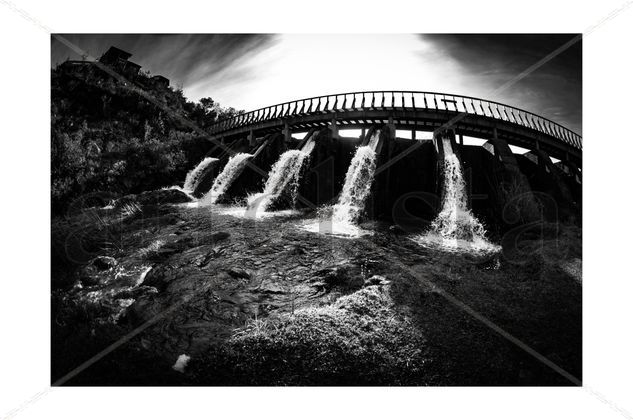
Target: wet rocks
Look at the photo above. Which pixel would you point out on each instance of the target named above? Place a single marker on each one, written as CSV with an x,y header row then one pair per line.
x,y
376,280
296,250
198,239
219,236
135,293
162,254
103,262
238,273
88,279
166,196
96,270
202,259
161,276
271,287
397,230
145,307
189,244
345,276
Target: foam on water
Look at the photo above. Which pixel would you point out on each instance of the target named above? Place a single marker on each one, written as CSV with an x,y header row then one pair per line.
x,y
329,227
112,284
455,228
229,173
194,176
244,213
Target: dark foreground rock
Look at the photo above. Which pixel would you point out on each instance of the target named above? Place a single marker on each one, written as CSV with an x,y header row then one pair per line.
x,y
262,302
155,198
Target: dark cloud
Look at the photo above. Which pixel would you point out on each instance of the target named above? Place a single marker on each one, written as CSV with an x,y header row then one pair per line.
x,y
185,59
554,90
233,66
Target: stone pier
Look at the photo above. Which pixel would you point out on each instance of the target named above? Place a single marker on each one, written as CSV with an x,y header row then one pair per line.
x,y
513,193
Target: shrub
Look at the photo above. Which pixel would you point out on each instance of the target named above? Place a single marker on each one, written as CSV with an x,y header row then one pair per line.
x,y
105,136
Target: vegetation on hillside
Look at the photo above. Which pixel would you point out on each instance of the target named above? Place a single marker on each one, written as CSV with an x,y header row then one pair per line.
x,y
106,136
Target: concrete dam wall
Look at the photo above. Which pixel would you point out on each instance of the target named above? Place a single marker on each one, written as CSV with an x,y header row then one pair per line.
x,y
503,189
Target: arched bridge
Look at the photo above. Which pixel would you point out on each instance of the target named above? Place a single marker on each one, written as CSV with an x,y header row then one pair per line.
x,y
409,110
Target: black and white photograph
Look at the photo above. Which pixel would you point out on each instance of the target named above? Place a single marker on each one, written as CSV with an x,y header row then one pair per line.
x,y
241,219
355,238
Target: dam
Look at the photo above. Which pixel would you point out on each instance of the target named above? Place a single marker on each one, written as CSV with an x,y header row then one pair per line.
x,y
346,219
415,136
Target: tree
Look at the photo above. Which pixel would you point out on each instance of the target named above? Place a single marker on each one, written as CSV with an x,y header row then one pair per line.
x,y
97,125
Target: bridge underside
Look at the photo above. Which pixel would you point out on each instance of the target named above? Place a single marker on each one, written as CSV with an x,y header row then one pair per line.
x,y
418,120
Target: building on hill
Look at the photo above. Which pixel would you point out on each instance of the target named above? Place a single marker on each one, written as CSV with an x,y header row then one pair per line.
x,y
117,59
114,55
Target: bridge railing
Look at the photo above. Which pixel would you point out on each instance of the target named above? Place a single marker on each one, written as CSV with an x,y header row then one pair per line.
x,y
405,100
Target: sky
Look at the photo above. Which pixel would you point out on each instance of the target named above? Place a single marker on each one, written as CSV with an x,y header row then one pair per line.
x,y
249,71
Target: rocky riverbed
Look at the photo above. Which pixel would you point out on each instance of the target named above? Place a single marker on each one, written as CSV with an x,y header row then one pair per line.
x,y
266,302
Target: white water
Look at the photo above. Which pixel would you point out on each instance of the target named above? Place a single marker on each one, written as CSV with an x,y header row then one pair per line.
x,y
243,213
229,173
351,202
284,174
455,227
194,176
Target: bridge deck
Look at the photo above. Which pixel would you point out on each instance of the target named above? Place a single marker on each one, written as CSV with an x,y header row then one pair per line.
x,y
424,111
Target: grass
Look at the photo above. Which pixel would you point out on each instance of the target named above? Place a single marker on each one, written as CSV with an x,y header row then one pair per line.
x,y
530,296
358,340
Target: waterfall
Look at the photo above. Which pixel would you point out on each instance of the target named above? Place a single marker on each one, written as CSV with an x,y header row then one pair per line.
x,y
351,202
284,174
455,227
229,173
455,221
195,175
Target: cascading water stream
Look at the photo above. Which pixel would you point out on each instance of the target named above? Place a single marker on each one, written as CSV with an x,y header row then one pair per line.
x,y
194,176
455,219
455,227
351,202
229,173
284,174
358,180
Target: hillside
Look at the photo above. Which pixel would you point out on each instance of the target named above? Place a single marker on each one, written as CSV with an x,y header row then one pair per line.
x,y
106,136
